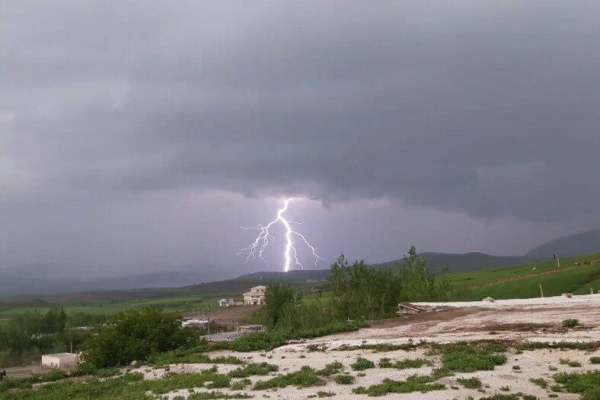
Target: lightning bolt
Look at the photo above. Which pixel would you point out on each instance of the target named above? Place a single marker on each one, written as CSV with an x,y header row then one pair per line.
x,y
290,253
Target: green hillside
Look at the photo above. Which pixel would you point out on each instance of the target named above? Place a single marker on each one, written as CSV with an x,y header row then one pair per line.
x,y
568,246
576,275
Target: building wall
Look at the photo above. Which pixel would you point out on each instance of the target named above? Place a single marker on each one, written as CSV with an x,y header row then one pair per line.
x,y
63,362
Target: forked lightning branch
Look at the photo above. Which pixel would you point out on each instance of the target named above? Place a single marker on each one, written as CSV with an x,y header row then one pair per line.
x,y
291,258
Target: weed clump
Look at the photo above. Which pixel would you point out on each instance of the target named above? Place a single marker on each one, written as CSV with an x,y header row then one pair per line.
x,y
470,383
587,383
466,357
570,323
361,364
321,394
241,384
305,377
541,382
218,395
344,379
570,363
253,369
331,369
411,384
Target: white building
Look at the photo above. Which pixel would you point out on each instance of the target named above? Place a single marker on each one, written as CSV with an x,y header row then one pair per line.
x,y
60,360
194,323
226,302
248,329
256,296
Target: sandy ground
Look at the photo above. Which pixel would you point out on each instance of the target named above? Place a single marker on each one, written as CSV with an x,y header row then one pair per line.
x,y
514,320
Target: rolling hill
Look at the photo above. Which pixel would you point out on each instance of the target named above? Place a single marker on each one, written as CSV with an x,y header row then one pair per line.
x,y
30,286
568,246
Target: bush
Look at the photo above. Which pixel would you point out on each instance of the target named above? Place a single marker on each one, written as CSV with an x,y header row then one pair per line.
x,y
330,369
465,357
412,384
361,364
587,383
305,377
470,383
404,364
344,379
253,369
254,342
541,382
136,335
570,323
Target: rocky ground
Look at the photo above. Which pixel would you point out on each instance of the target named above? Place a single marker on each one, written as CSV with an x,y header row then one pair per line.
x,y
513,322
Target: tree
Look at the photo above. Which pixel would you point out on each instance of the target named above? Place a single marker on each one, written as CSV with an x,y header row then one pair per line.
x,y
135,335
279,299
54,321
360,291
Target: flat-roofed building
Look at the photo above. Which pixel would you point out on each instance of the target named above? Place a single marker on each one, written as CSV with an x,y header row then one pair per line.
x,y
256,296
60,360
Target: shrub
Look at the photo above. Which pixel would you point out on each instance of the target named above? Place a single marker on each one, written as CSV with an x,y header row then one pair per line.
x,y
305,377
541,382
570,323
325,394
344,379
404,364
570,363
218,395
254,342
135,335
190,356
253,369
465,357
470,383
220,381
595,360
241,384
361,364
331,369
587,383
412,384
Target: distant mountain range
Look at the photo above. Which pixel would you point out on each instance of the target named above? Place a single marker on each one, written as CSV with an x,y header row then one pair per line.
x,y
14,282
568,246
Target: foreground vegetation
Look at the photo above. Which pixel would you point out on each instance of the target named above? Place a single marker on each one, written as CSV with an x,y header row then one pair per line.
x,y
356,294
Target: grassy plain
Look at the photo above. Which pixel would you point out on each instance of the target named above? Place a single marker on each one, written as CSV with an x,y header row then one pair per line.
x,y
180,304
512,282
576,275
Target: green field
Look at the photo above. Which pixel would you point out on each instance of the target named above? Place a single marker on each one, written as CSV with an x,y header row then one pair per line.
x,y
503,283
524,281
179,304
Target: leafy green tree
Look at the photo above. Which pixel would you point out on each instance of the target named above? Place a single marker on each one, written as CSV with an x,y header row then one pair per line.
x,y
54,321
135,335
363,292
279,300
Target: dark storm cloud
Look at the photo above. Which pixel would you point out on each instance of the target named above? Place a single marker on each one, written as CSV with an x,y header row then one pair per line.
x,y
488,108
485,107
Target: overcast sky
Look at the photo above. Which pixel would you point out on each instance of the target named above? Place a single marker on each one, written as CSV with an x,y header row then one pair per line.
x,y
140,135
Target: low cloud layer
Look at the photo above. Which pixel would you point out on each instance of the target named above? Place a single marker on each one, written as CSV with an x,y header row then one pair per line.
x,y
483,109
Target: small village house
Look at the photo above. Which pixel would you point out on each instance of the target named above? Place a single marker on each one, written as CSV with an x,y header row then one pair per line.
x,y
226,302
249,329
256,296
60,360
